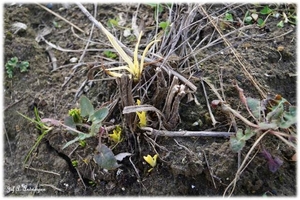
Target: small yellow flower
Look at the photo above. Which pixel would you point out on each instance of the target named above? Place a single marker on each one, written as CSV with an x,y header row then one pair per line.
x,y
142,116
116,135
151,160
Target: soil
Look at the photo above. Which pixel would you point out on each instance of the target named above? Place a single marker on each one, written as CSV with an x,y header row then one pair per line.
x,y
187,166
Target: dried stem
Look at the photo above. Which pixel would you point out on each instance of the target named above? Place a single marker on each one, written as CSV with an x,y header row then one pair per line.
x,y
42,170
156,132
57,15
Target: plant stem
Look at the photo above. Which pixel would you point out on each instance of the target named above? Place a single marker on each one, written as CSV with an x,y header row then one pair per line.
x,y
156,132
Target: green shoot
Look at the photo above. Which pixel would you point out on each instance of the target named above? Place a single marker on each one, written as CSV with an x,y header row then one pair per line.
x,y
266,10
82,143
110,54
74,163
253,16
228,17
86,110
165,26
75,114
260,22
24,66
280,24
112,23
92,183
14,63
238,141
56,25
39,125
133,67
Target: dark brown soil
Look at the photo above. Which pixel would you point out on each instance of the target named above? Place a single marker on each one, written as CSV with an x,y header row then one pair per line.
x,y
187,166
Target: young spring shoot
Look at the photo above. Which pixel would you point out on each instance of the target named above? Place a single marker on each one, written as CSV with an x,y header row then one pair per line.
x,y
142,116
152,161
133,67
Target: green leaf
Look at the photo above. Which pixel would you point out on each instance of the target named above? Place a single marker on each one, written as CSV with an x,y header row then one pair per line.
x,y
70,142
239,134
110,54
266,126
86,107
9,73
248,19
24,66
95,128
69,121
75,163
81,136
56,25
160,8
248,133
254,106
13,61
105,158
266,10
276,113
10,65
112,22
228,17
99,115
238,141
237,145
280,24
260,22
289,118
164,25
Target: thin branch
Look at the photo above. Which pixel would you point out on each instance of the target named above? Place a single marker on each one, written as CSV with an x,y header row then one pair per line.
x,y
214,121
42,170
156,132
57,15
209,169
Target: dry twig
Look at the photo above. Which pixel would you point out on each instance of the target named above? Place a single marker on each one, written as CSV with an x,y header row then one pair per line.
x,y
156,132
42,170
57,15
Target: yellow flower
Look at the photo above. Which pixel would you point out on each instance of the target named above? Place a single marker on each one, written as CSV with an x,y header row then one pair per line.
x,y
142,116
116,135
151,160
